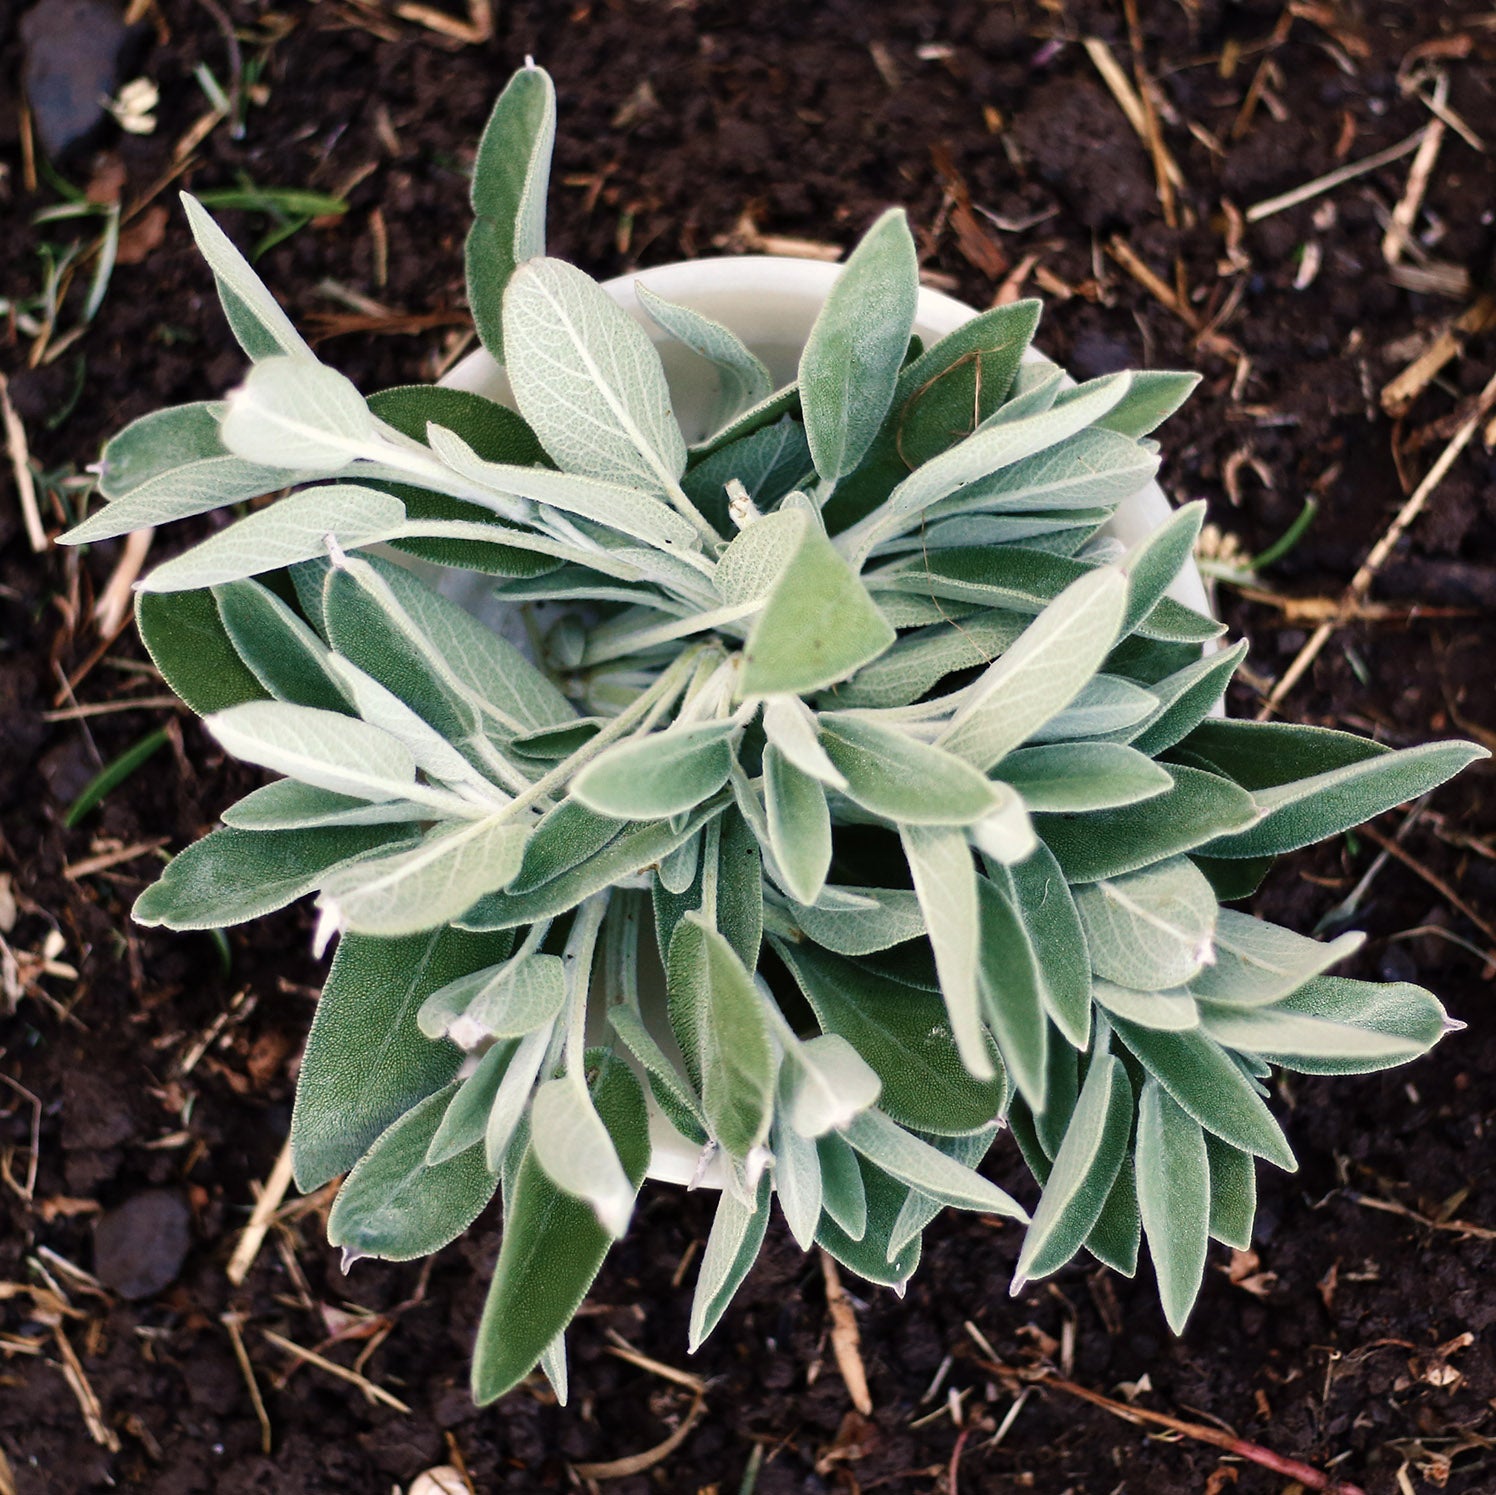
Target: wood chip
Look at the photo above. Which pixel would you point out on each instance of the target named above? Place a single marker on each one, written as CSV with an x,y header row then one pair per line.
x,y
846,1342
1337,178
20,466
259,1221
1361,582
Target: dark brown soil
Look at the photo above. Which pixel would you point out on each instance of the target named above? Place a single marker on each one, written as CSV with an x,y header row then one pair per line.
x,y
160,1077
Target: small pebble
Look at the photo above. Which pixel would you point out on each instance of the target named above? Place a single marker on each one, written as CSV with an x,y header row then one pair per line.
x,y
139,1248
72,56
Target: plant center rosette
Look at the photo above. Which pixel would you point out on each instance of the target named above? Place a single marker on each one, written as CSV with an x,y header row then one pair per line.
x,y
851,794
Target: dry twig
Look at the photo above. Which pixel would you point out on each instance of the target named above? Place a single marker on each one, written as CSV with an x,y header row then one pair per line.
x,y
1400,230
1337,178
259,1221
311,1357
232,1322
846,1342
20,466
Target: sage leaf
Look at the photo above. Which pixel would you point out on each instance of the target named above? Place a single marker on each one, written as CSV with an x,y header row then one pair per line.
x,y
868,1254
770,462
510,175
896,776
904,1035
843,1188
396,1206
262,329
1012,993
792,728
570,1142
1150,929
749,567
946,882
824,1084
732,1246
286,805
923,1167
231,876
1107,704
366,1061
658,775
466,1118
287,658
851,360
183,633
719,1021
797,1181
1174,1011
1258,963
427,885
552,1246
1151,399
799,826
587,378
743,379
297,413
1152,565
1077,777
1173,1183
1084,1171
294,529
1186,698
1233,1193
887,917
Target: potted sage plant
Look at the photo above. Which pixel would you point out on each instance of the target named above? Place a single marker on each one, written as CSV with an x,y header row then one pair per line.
x,y
825,774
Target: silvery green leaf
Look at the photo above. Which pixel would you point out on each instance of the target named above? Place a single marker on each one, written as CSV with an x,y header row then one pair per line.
x,y
467,1116
184,635
1075,777
428,885
433,753
513,1096
1070,529
989,448
1173,1182
510,176
622,507
263,330
1154,563
1334,1026
905,611
573,1146
553,1363
1186,698
719,1020
1118,1232
552,1246
1258,963
291,530
818,625
1084,1170
1202,1078
919,1209
297,413
1151,929
568,836
397,1207
792,728
1012,992
1171,622
851,359
732,1246
504,1001
903,1034
1016,578
636,846
1106,704
743,379
731,870
1090,470
946,881
678,870
489,667
900,778
587,378
843,1191
366,1062
1154,396
1006,833
1042,673
661,1070
934,1173
1037,889
1298,813
1167,1011
799,826
797,1181
869,1255
286,805
659,774
1233,1193
748,569
920,660
889,917
824,1083
232,875
160,442
1038,383
287,658
1109,843
322,748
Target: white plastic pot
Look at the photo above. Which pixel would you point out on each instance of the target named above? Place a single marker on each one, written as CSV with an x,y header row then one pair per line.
x,y
770,302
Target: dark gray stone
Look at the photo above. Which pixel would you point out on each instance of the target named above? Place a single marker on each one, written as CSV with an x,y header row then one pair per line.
x,y
139,1248
72,57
